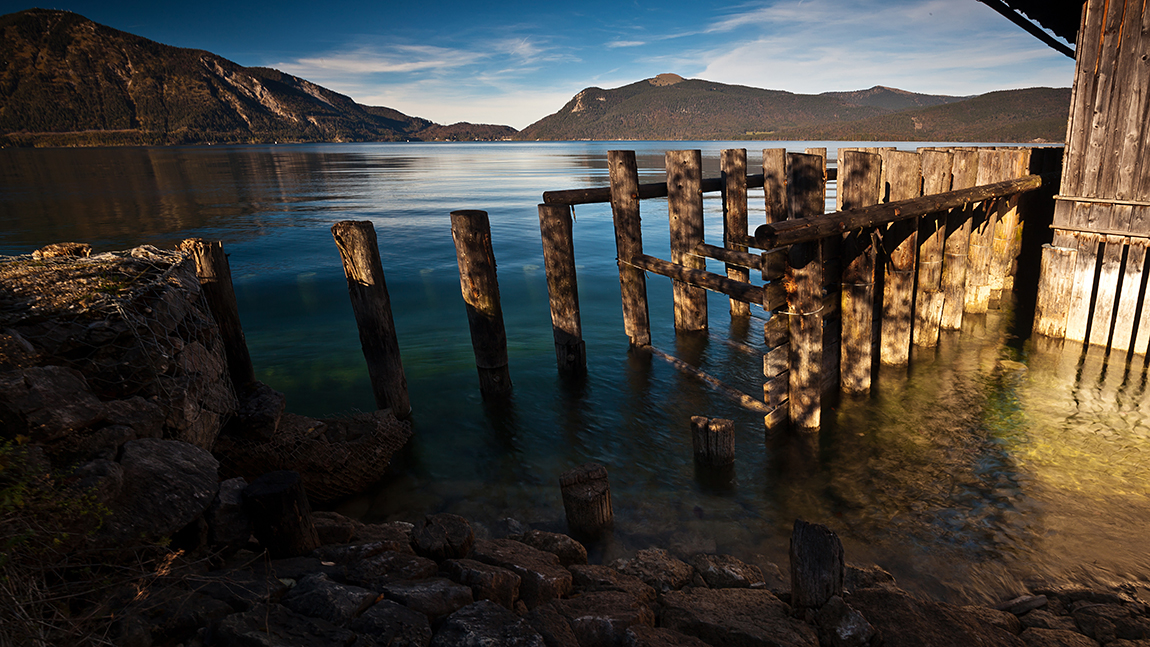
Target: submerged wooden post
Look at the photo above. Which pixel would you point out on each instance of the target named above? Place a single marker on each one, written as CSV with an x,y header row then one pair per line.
x,y
733,168
1007,233
956,248
929,299
371,304
587,500
471,232
629,244
1053,302
817,565
805,193
985,221
903,173
281,514
216,283
562,287
859,185
685,212
713,440
776,332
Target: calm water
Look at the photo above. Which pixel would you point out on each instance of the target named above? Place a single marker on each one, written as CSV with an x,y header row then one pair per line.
x,y
962,477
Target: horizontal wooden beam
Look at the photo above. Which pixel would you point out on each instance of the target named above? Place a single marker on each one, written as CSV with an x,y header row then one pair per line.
x,y
789,232
646,191
770,296
746,401
734,257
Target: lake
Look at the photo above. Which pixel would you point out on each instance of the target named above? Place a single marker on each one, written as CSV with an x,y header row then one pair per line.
x,y
963,476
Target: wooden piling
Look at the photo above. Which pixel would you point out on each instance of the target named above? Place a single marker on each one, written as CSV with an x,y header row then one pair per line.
x,y
359,252
471,231
215,278
629,243
1007,232
685,211
956,249
805,195
587,500
903,173
1053,302
983,224
817,565
555,228
859,185
775,178
733,169
929,299
281,515
713,440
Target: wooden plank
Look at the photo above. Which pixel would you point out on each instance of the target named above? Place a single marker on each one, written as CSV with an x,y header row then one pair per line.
x,y
1082,97
1127,308
730,257
704,280
685,213
775,177
1053,304
1096,166
777,360
624,175
936,175
964,175
1008,232
903,172
806,191
860,185
1106,290
733,169
990,169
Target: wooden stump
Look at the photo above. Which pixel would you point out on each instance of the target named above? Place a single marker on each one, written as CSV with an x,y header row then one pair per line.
x,y
713,440
281,515
216,282
587,500
471,232
817,565
562,287
371,304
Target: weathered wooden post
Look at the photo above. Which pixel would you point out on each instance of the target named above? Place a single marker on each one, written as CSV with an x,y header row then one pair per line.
x,y
1053,302
903,173
624,174
471,231
733,169
587,500
359,251
776,332
685,211
964,175
859,185
817,565
936,166
806,198
216,283
281,514
982,237
713,440
1007,235
562,287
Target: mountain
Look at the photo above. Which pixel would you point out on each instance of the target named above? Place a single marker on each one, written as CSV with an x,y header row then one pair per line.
x,y
65,80
671,107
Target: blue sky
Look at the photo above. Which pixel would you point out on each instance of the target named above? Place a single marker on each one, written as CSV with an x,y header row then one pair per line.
x,y
516,62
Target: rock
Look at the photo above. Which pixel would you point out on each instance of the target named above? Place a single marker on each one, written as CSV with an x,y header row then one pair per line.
x,y
442,536
487,582
1034,637
840,625
101,443
742,617
657,568
167,485
486,624
865,577
1001,619
15,351
145,418
316,596
726,572
1102,621
395,535
228,523
644,636
102,478
541,576
594,577
240,589
602,618
63,250
1022,604
349,554
173,615
47,403
394,625
259,412
435,597
273,625
389,566
297,568
333,527
569,551
1043,619
904,621
552,625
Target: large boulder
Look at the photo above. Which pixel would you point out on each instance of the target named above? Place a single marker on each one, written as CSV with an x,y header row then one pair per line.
x,y
443,536
435,596
394,625
273,625
167,484
487,582
726,572
657,568
486,624
543,578
602,618
316,596
736,618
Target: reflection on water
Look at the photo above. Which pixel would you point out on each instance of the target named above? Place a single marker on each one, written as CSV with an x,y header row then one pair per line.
x,y
992,460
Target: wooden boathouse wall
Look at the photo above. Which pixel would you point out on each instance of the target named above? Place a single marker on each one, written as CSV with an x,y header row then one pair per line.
x,y
1093,278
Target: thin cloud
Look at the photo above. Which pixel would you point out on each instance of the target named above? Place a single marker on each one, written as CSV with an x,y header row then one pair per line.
x,y
626,43
393,59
